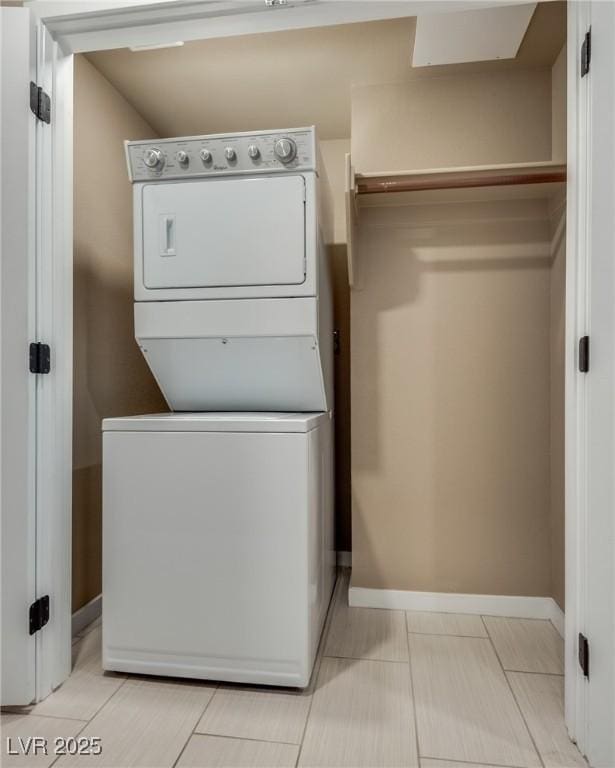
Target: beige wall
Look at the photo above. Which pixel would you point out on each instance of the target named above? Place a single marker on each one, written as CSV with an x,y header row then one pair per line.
x,y
450,399
450,345
111,377
558,327
558,108
502,117
333,155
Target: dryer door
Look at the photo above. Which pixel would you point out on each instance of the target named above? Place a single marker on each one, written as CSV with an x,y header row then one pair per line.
x,y
224,232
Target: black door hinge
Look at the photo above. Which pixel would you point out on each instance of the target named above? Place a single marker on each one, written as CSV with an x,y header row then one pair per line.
x,y
39,614
586,52
584,354
40,357
584,654
40,103
336,342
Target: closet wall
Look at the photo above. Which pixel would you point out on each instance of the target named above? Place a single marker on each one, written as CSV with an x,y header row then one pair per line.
x,y
452,329
454,337
334,158
111,377
440,122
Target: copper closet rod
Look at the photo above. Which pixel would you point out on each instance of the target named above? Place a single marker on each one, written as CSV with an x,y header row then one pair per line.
x,y
417,182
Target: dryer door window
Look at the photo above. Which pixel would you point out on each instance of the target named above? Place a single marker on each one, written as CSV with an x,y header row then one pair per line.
x,y
224,232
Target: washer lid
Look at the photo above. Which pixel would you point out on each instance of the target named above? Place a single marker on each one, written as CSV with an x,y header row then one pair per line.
x,y
216,422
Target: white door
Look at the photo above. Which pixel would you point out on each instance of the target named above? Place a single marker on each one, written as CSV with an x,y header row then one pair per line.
x,y
17,324
600,382
590,418
224,232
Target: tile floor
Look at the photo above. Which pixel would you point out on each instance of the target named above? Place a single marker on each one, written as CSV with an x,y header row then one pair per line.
x,y
389,689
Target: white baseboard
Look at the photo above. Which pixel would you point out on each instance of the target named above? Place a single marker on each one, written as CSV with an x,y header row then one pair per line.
x,y
449,602
86,614
442,602
557,617
344,559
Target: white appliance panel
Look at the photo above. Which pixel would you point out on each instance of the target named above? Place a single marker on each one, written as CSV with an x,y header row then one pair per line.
x,y
240,374
209,566
223,318
309,286
223,154
253,354
224,232
218,421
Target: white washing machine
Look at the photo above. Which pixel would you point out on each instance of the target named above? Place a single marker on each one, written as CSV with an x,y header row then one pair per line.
x,y
218,551
218,545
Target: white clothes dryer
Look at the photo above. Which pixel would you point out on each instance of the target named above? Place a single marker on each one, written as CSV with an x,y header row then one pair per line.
x,y
232,289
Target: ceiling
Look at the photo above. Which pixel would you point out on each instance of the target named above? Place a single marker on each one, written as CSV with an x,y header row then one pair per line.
x,y
291,78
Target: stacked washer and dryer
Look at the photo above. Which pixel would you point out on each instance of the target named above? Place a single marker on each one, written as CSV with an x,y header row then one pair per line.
x,y
218,543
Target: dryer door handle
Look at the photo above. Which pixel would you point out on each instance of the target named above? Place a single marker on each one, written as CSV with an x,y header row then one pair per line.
x,y
167,234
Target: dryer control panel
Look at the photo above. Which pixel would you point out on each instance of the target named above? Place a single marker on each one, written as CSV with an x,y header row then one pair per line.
x,y
222,155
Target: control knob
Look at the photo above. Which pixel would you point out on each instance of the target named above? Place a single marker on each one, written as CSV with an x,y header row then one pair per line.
x,y
230,154
285,150
183,158
205,156
254,152
153,158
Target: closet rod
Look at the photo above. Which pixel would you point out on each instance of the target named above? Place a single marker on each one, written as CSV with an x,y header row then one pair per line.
x,y
417,182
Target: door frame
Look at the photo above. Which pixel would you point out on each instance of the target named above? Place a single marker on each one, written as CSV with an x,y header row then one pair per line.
x,y
35,492
591,702
575,383
54,326
167,22
17,385
188,20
